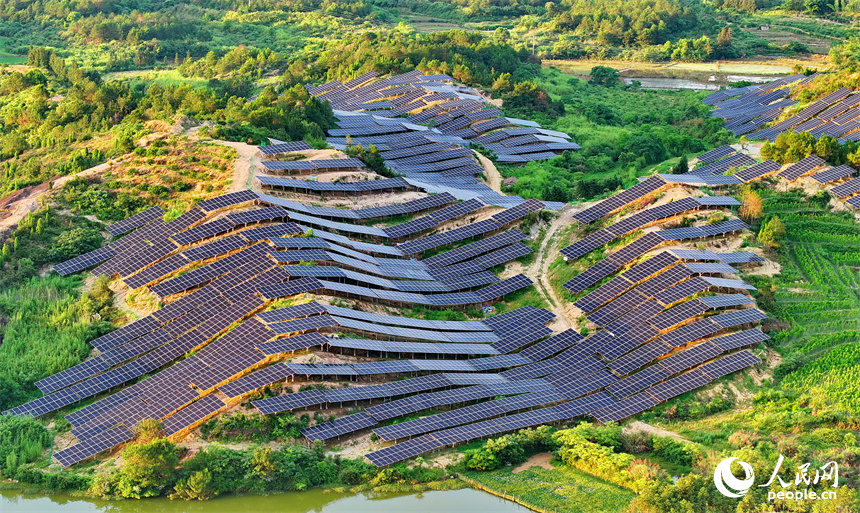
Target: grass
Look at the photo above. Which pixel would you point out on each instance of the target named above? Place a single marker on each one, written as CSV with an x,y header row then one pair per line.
x,y
521,298
165,77
561,490
9,58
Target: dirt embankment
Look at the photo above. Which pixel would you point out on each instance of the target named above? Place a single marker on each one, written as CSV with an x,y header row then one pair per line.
x,y
15,206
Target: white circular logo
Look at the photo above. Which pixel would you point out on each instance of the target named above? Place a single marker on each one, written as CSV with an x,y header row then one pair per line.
x,y
724,480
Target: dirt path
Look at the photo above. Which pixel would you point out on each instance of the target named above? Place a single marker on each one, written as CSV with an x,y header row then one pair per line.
x,y
538,460
15,206
538,271
494,178
242,168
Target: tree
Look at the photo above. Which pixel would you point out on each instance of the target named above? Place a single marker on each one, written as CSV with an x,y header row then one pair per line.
x,y
648,146
604,76
148,430
148,468
197,486
828,148
724,38
502,35
816,7
751,204
771,232
681,167
503,83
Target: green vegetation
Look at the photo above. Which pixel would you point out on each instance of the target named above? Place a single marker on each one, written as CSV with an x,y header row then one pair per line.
x,y
623,130
816,295
151,469
563,490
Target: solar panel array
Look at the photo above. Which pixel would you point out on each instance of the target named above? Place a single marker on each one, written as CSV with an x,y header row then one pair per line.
x,y
228,290
833,174
285,147
748,109
620,200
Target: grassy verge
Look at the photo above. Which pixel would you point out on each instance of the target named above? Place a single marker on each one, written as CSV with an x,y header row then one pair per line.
x,y
560,490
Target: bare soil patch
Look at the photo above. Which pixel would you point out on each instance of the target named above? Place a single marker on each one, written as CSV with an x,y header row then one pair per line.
x,y
538,460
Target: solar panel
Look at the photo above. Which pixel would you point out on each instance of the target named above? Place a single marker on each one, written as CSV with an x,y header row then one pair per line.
x,y
403,450
711,268
196,412
795,171
620,200
679,314
552,345
290,401
626,408
338,427
740,339
81,262
729,319
757,171
255,380
691,332
227,200
286,147
294,343
833,174
846,189
716,153
640,357
727,300
135,221
449,237
740,258
729,364
591,276
204,231
128,332
617,308
258,215
678,385
300,325
504,287
290,288
682,290
578,387
639,381
292,312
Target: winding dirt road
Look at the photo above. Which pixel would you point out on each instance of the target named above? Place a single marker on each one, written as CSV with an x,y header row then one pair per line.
x,y
494,178
538,271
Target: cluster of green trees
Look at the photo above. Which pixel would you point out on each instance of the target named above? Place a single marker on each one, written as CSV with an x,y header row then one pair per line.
x,y
511,449
22,441
623,130
151,468
51,113
791,147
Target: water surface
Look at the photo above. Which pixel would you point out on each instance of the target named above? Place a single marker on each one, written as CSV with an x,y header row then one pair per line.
x,y
316,501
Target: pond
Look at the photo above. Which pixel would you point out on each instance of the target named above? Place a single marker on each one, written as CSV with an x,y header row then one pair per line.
x,y
697,85
317,501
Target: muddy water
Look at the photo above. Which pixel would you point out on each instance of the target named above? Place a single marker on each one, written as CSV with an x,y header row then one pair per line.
x,y
316,501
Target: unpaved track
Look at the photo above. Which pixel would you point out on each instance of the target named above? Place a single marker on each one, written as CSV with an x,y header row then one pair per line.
x,y
242,172
538,271
18,204
494,178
